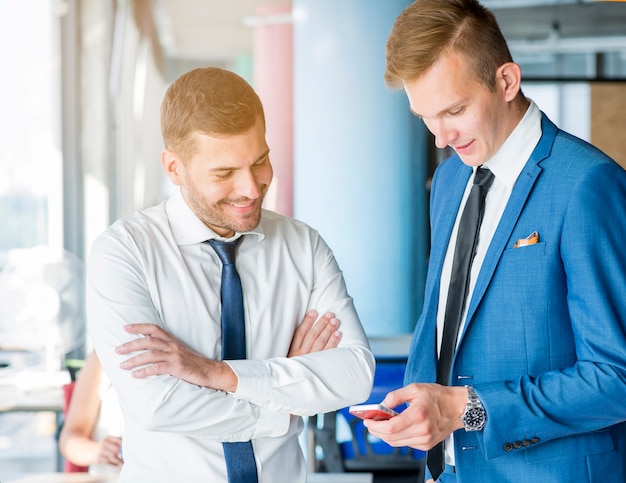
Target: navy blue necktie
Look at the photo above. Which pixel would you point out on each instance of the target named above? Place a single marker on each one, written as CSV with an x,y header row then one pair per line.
x,y
464,252
239,456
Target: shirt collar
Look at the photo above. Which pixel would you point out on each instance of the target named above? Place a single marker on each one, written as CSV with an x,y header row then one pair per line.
x,y
188,229
508,162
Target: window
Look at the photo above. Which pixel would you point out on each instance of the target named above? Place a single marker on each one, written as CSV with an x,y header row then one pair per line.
x,y
31,190
31,180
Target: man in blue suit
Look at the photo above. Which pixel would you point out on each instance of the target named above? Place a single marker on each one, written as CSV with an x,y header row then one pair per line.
x,y
537,383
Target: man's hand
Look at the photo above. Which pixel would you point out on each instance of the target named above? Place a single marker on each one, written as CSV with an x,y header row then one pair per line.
x,y
434,412
164,354
311,336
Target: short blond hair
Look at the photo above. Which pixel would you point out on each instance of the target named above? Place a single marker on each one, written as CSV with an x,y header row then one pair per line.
x,y
210,101
426,29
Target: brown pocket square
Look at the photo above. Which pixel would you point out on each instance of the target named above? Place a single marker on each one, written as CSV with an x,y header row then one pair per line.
x,y
529,240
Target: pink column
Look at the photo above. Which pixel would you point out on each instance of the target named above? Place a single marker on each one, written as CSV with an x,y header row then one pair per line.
x,y
272,56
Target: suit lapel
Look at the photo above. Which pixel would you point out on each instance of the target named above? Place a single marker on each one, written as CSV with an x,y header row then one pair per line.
x,y
514,207
422,364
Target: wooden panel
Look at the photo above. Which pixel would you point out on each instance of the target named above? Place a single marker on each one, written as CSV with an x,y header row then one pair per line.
x,y
608,119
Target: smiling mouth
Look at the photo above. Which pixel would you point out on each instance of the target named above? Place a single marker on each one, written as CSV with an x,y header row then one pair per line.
x,y
463,147
242,207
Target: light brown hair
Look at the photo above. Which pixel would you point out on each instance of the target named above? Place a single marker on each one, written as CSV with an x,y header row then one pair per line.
x,y
426,29
210,101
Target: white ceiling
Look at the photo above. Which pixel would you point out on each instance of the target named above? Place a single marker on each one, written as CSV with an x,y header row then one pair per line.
x,y
208,30
216,30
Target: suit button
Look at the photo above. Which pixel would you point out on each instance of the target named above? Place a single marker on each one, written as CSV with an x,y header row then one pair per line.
x,y
517,444
507,447
525,443
535,440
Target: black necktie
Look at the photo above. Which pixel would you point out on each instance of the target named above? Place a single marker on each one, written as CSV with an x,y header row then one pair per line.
x,y
466,243
239,456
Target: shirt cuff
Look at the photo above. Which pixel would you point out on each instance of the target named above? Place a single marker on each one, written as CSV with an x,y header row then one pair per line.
x,y
254,385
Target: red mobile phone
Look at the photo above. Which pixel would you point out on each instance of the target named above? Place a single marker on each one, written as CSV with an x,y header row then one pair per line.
x,y
372,411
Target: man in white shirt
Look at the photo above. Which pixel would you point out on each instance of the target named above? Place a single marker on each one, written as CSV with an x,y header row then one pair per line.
x,y
154,306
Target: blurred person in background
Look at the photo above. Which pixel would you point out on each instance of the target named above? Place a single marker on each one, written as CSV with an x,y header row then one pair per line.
x,y
92,431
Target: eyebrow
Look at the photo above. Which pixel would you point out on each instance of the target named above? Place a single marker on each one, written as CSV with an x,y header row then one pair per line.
x,y
228,168
451,107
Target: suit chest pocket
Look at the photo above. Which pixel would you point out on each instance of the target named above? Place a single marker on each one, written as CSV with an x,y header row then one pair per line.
x,y
529,274
525,252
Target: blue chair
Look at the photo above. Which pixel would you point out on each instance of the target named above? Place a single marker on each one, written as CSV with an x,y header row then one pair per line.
x,y
343,444
365,452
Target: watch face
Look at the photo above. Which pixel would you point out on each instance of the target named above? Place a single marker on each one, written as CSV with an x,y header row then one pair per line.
x,y
475,418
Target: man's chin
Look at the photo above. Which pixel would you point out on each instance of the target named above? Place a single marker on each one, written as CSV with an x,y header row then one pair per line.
x,y
248,224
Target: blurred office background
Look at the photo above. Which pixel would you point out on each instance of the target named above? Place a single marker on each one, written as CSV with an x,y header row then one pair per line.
x,y
80,87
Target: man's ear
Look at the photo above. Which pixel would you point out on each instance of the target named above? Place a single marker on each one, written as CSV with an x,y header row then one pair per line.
x,y
509,79
172,165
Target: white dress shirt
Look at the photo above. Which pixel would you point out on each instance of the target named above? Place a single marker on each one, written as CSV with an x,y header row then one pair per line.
x,y
153,267
506,165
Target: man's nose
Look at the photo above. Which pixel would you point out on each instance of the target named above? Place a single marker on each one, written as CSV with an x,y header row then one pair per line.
x,y
247,185
442,132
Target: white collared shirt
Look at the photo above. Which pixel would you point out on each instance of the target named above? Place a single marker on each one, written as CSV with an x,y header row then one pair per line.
x,y
154,267
506,165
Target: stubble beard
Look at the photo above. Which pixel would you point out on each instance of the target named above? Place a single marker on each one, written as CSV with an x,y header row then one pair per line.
x,y
216,215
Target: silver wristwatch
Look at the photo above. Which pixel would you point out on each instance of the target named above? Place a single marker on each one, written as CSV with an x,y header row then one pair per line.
x,y
474,417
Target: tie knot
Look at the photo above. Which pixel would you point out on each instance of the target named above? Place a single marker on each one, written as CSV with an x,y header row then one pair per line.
x,y
483,177
225,250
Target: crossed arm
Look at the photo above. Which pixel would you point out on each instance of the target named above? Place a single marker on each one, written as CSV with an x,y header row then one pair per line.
x,y
164,354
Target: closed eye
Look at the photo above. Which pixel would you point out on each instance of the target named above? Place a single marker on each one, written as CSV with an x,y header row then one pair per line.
x,y
223,174
261,162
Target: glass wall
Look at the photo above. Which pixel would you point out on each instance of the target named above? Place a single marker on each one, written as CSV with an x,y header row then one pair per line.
x,y
31,209
31,162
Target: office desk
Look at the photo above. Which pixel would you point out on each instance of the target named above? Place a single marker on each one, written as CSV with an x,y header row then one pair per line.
x,y
32,391
13,399
26,385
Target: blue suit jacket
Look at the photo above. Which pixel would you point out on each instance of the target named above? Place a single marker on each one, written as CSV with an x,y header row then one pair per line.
x,y
545,340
